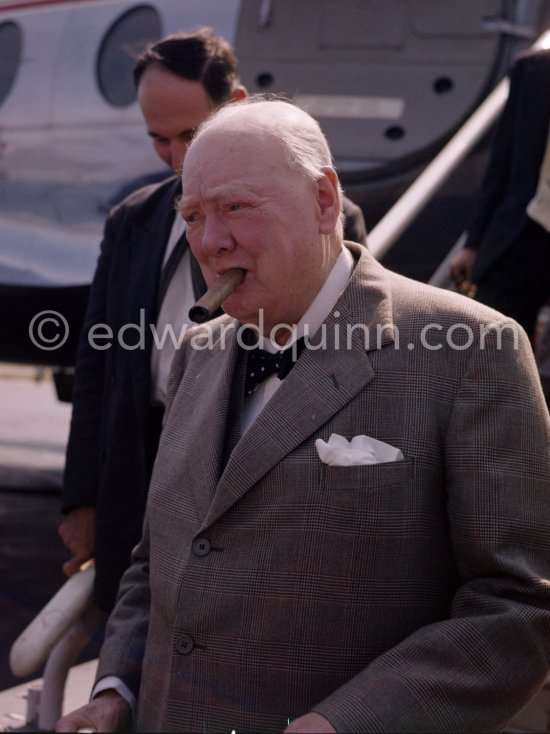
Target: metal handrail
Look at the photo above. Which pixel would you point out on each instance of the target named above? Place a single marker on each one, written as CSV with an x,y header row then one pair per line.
x,y
35,643
422,190
60,660
56,635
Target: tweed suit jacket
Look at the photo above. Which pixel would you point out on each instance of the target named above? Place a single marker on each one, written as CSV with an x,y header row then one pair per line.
x,y
406,596
512,173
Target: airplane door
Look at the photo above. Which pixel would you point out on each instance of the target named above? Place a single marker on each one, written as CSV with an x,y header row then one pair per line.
x,y
387,79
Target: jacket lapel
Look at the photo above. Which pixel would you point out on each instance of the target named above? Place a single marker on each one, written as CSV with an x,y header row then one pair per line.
x,y
149,237
207,404
321,383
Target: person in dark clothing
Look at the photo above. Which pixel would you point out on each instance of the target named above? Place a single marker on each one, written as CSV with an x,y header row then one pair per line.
x,y
507,250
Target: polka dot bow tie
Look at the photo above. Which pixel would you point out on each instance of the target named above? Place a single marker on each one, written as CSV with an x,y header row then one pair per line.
x,y
262,364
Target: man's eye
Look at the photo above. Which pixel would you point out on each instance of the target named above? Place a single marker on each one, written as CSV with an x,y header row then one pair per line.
x,y
236,206
187,137
191,218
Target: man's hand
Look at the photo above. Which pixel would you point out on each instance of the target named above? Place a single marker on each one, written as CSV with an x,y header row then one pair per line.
x,y
108,712
77,531
311,723
461,269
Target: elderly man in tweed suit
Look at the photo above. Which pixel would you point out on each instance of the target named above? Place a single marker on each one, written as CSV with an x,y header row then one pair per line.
x,y
361,545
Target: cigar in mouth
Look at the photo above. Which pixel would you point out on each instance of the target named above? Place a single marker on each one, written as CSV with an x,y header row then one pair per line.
x,y
207,305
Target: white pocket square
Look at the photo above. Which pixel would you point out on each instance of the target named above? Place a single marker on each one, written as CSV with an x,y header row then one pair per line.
x,y
338,451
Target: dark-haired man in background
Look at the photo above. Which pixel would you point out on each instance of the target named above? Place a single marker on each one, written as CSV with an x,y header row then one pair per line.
x,y
146,274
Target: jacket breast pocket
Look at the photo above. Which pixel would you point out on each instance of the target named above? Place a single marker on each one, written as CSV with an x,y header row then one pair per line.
x,y
367,477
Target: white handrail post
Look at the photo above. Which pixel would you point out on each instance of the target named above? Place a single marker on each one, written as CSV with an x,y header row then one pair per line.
x,y
60,660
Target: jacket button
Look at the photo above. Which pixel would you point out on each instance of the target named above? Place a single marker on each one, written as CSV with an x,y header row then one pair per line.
x,y
185,644
201,547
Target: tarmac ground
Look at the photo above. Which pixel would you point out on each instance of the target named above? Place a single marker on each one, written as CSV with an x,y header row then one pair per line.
x,y
33,436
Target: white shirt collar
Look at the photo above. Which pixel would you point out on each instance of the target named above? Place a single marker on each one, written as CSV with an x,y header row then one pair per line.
x,y
324,301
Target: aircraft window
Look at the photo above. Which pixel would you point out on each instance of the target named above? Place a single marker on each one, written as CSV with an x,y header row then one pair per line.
x,y
122,44
11,43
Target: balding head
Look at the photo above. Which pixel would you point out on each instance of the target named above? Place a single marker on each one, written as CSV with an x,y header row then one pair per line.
x,y
298,132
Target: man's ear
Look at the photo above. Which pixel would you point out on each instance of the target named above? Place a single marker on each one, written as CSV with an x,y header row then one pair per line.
x,y
238,93
328,197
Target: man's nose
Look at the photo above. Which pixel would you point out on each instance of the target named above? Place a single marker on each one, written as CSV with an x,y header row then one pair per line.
x,y
216,237
177,154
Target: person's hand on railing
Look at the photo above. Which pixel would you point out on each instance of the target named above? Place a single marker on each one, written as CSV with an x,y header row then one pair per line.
x,y
77,531
461,268
107,712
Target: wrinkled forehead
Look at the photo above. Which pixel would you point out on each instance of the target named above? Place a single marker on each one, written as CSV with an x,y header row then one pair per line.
x,y
241,153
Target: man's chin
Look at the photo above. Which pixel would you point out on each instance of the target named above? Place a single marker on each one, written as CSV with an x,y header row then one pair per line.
x,y
245,316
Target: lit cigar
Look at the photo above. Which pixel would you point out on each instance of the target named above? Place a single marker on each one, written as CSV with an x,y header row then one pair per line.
x,y
207,305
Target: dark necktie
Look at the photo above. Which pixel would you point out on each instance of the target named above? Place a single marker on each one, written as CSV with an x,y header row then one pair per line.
x,y
169,268
262,364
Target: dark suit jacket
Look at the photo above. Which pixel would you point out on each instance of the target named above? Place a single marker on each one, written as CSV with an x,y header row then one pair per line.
x,y
406,596
516,156
107,462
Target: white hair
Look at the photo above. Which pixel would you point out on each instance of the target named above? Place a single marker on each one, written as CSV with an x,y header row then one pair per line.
x,y
305,146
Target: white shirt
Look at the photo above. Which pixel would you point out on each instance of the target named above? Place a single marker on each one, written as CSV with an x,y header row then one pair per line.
x,y
173,318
